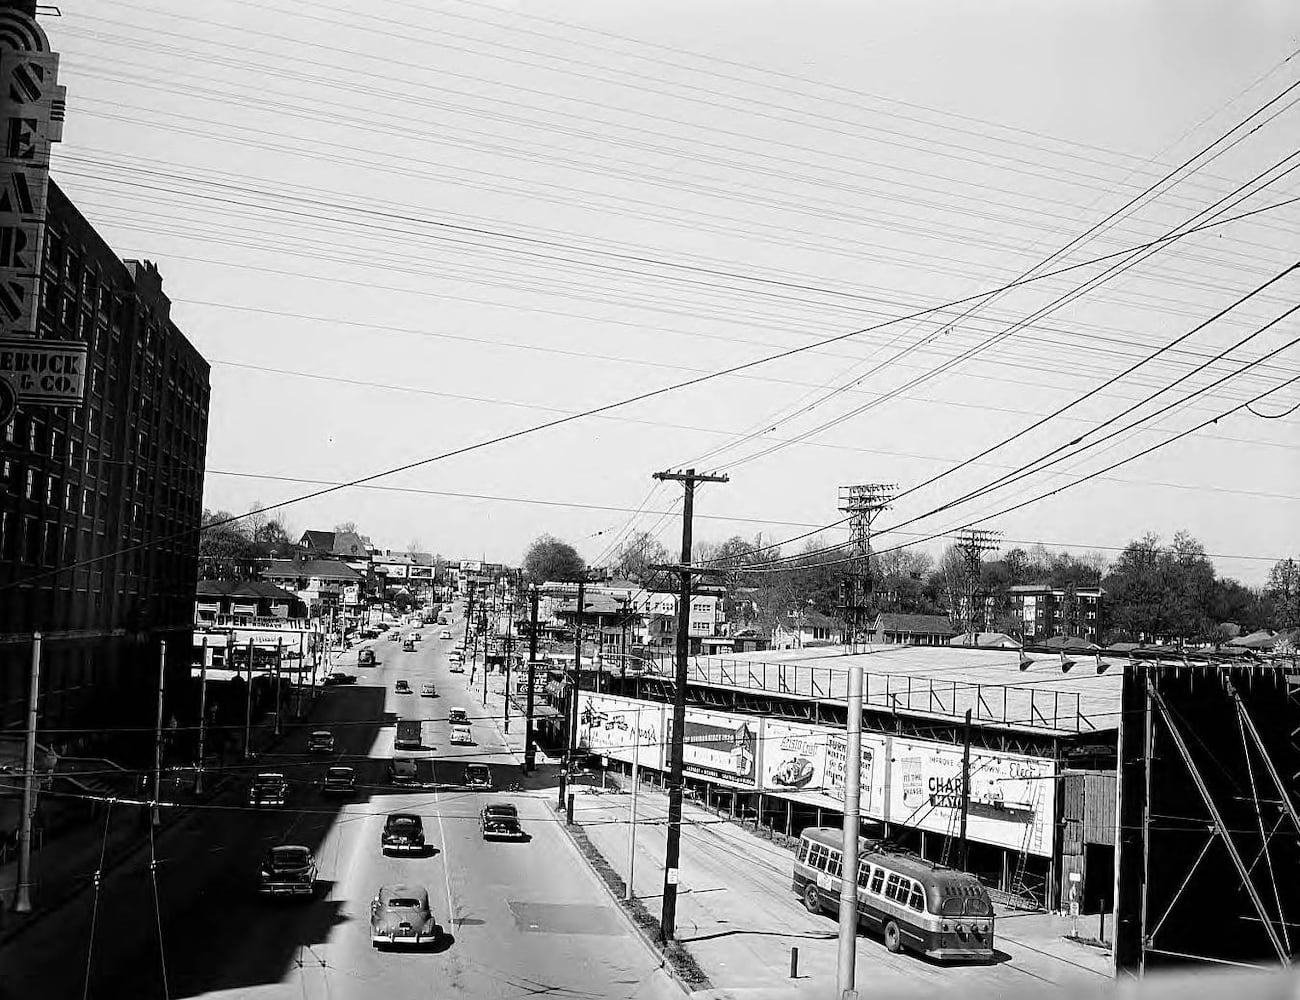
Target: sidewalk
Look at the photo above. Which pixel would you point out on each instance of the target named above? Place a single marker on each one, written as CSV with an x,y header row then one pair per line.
x,y
739,918
66,865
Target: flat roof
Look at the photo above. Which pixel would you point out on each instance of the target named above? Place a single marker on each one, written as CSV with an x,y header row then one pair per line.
x,y
938,681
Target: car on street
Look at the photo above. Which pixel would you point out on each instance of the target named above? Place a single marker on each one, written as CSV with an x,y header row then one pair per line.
x,y
457,667
478,776
365,657
500,821
428,690
268,789
403,834
402,771
287,870
402,687
410,734
369,632
408,645
458,717
339,781
338,677
416,636
400,916
445,634
321,741
462,736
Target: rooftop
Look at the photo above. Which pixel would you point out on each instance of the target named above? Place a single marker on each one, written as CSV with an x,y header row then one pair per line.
x,y
244,588
325,569
913,624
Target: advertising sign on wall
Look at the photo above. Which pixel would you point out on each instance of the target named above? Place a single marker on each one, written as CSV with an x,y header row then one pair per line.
x,y
837,757
794,757
1012,797
618,727
720,746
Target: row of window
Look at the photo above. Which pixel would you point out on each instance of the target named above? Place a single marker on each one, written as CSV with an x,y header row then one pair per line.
x,y
875,879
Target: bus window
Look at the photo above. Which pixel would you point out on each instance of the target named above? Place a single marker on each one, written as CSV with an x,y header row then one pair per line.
x,y
978,907
894,889
803,851
952,906
833,865
877,880
916,901
864,873
817,857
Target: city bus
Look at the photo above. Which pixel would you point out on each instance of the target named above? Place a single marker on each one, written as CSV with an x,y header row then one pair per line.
x,y
923,906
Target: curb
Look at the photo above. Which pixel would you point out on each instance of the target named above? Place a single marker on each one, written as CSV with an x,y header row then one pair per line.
x,y
675,959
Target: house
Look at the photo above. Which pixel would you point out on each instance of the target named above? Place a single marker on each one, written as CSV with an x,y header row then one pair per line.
x,y
326,586
742,640
1047,611
807,628
911,630
237,602
333,544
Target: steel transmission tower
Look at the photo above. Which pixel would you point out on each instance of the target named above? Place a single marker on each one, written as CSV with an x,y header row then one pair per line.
x,y
972,543
861,503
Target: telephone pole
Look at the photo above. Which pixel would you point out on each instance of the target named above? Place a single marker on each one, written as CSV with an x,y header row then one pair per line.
x,y
571,710
668,917
530,755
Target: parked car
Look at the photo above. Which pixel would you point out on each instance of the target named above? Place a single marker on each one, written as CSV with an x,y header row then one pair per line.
x,y
402,771
288,870
402,686
500,821
445,634
428,690
400,915
462,736
478,776
403,834
268,789
339,781
338,677
321,741
457,667
365,657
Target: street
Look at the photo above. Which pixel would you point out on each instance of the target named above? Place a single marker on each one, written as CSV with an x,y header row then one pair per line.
x,y
517,919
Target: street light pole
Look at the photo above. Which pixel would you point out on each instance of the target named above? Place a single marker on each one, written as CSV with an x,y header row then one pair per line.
x,y
848,929
154,814
23,893
636,784
279,657
203,716
248,704
530,754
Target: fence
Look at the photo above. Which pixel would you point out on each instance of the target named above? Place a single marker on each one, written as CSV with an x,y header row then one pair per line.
x,y
1004,704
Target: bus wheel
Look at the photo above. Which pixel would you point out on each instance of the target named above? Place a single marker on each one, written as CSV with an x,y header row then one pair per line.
x,y
893,939
812,898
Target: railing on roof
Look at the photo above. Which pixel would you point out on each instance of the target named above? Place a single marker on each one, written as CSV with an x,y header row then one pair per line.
x,y
1021,706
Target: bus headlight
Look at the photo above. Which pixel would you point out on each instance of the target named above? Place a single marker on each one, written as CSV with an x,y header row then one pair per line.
x,y
946,927
961,929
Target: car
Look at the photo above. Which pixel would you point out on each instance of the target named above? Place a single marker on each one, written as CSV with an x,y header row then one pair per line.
x,y
403,834
400,915
338,677
339,781
478,776
369,632
402,771
395,635
321,741
416,636
402,687
408,645
410,734
428,690
458,717
383,626
500,821
287,870
365,657
462,735
457,667
268,789
445,634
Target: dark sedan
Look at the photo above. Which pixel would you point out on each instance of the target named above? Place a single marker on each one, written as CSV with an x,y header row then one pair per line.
x,y
403,834
340,678
289,870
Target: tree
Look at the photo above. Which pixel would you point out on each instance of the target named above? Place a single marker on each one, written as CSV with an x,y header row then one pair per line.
x,y
414,547
637,554
1163,593
1283,591
226,550
347,527
548,558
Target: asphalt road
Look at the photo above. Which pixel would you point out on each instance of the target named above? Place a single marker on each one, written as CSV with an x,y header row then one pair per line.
x,y
518,919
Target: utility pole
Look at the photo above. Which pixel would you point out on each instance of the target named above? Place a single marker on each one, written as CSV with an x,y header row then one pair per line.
x,y
965,791
154,815
23,894
510,652
530,755
861,504
575,685
203,716
848,937
469,612
668,917
972,543
636,785
279,657
248,705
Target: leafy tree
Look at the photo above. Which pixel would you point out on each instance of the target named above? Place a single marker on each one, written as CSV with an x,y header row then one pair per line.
x,y
636,555
348,527
226,549
1283,591
548,558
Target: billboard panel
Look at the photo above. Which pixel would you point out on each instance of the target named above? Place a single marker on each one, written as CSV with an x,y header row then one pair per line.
x,y
1012,797
618,727
723,747
794,757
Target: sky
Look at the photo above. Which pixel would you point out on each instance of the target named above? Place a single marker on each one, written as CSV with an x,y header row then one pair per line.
x,y
399,231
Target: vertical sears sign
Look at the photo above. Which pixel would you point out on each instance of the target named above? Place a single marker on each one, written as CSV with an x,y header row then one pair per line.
x,y
31,112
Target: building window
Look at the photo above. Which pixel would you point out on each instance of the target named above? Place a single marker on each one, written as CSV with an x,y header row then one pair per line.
x,y
6,535
31,539
85,502
51,489
69,495
29,490
9,432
